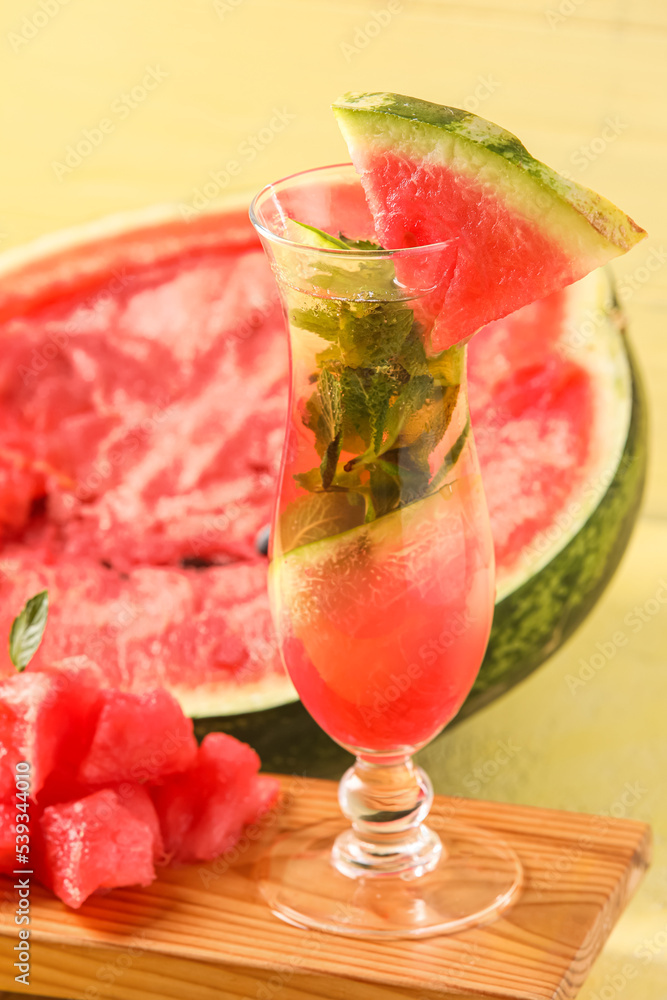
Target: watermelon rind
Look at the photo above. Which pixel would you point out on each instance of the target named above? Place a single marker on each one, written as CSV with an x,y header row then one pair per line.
x,y
578,218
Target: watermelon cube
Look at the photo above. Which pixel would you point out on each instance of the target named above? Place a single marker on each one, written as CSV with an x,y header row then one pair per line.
x,y
203,812
44,718
135,799
95,843
138,738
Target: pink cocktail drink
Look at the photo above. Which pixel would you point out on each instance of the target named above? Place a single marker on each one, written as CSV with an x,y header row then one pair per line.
x,y
382,567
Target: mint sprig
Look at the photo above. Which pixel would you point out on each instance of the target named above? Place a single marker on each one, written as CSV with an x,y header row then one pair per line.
x,y
27,630
305,233
380,405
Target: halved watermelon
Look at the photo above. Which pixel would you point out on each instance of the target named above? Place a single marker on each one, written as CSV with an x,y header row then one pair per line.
x,y
148,549
517,230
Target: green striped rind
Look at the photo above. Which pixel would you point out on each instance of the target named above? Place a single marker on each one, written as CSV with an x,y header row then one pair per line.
x,y
535,620
486,150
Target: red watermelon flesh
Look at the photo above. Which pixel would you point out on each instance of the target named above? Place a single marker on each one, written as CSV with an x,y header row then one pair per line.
x,y
126,427
138,737
532,409
8,860
515,230
79,737
486,232
203,812
122,536
151,626
95,843
136,800
46,720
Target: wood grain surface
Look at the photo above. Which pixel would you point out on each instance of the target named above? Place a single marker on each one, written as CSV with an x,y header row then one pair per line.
x,y
552,71
208,927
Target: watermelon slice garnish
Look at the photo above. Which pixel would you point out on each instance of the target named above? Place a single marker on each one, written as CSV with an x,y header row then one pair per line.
x,y
518,230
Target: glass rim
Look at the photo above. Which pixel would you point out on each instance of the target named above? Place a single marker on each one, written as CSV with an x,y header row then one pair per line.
x,y
333,251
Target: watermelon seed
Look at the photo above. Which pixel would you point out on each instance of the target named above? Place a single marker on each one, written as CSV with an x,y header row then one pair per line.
x,y
262,540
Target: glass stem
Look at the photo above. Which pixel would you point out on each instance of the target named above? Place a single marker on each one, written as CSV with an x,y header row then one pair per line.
x,y
386,801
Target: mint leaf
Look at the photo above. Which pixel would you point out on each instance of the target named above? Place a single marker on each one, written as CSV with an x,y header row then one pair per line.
x,y
412,355
412,397
366,396
329,389
425,427
324,318
27,630
451,458
359,244
447,367
330,461
385,488
320,515
322,239
376,330
411,471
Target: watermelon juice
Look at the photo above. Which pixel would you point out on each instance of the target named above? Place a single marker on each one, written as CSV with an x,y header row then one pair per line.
x,y
383,627
382,572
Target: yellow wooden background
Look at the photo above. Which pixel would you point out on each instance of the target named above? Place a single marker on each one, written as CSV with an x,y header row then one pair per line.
x,y
584,84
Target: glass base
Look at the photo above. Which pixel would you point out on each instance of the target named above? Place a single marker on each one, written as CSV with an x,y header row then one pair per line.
x,y
475,879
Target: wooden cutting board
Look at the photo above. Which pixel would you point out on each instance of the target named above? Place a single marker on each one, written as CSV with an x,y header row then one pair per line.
x,y
204,932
